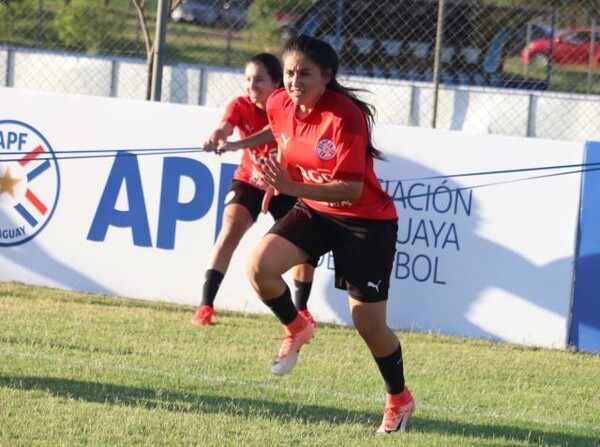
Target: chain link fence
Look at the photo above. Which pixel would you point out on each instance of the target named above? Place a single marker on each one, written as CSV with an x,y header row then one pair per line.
x,y
528,67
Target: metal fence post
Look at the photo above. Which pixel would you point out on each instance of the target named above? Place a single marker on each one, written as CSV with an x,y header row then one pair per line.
x,y
527,42
162,15
339,18
436,62
550,65
593,43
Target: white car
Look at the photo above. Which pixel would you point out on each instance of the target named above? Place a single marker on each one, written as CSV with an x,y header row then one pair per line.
x,y
225,13
196,11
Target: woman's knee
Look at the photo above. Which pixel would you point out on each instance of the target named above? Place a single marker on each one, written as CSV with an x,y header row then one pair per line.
x,y
271,258
259,268
253,269
234,227
369,320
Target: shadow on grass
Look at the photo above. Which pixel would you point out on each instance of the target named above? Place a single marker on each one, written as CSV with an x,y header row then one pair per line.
x,y
192,402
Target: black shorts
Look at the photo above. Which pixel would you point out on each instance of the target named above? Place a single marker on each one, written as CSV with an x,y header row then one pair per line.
x,y
363,249
251,198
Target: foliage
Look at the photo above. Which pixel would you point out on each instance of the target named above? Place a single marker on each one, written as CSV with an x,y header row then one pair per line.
x,y
86,26
17,19
265,22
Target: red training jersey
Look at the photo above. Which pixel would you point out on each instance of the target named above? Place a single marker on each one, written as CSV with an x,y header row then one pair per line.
x,y
330,143
249,119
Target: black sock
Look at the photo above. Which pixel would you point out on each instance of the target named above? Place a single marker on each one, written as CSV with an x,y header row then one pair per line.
x,y
301,294
392,370
283,307
212,282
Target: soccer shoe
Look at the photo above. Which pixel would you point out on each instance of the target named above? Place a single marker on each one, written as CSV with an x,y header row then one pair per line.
x,y
398,410
290,348
307,316
203,316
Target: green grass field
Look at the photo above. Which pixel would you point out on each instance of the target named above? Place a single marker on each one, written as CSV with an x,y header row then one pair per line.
x,y
84,369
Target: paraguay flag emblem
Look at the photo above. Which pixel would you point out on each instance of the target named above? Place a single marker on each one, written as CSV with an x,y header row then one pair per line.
x,y
29,182
326,149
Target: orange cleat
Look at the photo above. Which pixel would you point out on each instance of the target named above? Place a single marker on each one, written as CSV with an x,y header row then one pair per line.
x,y
290,348
398,410
307,316
203,316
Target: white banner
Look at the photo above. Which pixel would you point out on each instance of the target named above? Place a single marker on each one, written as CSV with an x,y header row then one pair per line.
x,y
487,255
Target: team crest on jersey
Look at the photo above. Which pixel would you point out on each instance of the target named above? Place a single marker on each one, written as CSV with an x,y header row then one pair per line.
x,y
326,149
29,183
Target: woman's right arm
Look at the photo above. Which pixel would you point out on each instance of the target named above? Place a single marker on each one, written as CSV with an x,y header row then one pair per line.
x,y
218,137
257,139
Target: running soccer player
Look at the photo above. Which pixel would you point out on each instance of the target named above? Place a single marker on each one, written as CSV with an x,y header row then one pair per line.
x,y
326,159
247,113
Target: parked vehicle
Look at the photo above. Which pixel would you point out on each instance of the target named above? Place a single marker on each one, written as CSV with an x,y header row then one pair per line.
x,y
196,11
233,13
227,14
532,31
397,39
569,47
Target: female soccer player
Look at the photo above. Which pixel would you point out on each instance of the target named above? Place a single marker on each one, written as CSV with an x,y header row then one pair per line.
x,y
326,159
247,113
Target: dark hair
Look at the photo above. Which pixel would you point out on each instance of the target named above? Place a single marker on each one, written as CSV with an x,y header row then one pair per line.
x,y
323,54
272,65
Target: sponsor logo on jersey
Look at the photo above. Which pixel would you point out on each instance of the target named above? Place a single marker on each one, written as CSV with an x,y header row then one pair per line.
x,y
285,140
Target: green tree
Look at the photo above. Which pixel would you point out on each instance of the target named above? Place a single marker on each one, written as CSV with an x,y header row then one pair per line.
x,y
17,21
86,26
267,19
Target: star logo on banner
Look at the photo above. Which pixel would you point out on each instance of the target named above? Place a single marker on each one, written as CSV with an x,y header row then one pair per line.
x,y
7,183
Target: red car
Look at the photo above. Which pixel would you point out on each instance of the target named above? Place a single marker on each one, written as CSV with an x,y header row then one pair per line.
x,y
570,47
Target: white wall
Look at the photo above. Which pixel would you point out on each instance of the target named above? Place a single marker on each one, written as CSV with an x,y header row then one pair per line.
x,y
64,74
573,111
181,83
3,67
